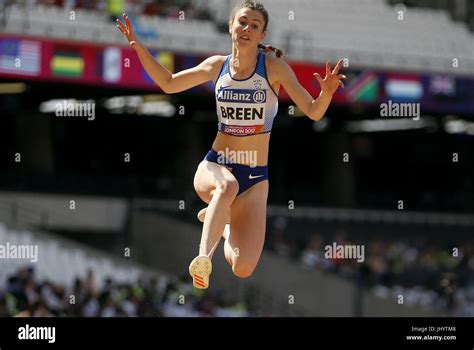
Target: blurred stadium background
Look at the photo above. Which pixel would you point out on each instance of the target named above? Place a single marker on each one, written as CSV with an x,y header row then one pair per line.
x,y
109,202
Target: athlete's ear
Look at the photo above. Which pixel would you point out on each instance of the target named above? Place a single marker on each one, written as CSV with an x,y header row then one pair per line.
x,y
263,35
230,27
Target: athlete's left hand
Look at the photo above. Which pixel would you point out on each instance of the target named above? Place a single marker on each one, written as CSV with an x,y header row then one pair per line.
x,y
332,80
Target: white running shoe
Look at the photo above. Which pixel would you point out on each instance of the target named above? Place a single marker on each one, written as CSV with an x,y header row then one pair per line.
x,y
200,269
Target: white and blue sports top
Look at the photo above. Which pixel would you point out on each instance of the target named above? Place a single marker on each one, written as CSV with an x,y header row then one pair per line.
x,y
245,107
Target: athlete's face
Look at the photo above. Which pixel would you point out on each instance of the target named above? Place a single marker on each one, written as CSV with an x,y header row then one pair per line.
x,y
247,27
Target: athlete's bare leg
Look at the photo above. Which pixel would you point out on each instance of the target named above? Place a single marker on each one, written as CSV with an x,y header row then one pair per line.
x,y
216,185
202,215
253,200
244,244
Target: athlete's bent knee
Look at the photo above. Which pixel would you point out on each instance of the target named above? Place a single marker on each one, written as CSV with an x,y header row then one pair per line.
x,y
243,269
199,186
228,188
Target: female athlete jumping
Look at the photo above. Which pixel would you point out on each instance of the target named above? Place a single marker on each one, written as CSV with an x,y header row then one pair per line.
x,y
233,177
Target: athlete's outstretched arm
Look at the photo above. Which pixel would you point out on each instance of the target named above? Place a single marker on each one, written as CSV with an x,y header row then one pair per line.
x,y
314,109
170,83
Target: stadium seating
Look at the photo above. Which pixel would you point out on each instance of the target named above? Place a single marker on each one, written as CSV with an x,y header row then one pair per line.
x,y
368,32
61,262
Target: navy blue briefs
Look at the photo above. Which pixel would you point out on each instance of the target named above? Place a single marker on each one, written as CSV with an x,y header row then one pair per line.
x,y
245,175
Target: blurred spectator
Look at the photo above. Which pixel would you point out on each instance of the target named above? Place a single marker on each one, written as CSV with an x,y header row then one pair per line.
x,y
423,270
25,297
115,8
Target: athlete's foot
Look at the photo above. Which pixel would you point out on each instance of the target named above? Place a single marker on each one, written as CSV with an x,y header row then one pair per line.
x,y
200,269
202,215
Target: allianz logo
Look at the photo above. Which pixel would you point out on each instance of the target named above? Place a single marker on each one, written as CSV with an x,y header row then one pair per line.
x,y
241,95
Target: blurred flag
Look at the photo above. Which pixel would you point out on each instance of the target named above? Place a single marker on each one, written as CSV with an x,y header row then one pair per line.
x,y
67,63
364,88
112,67
166,59
20,56
404,89
443,86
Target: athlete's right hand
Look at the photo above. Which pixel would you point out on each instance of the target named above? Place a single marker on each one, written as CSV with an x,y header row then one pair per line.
x,y
127,29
